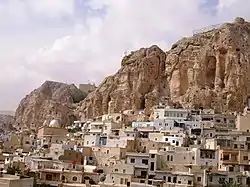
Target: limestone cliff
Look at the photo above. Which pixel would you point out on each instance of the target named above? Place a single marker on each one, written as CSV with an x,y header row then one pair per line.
x,y
137,85
209,69
212,69
51,100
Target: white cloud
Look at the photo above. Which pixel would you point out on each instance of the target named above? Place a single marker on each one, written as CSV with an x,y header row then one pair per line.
x,y
95,47
53,8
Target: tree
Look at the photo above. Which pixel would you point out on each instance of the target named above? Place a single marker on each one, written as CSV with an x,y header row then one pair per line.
x,y
13,170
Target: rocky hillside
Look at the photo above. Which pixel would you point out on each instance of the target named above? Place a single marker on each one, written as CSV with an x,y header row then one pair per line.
x,y
51,100
209,69
138,84
6,122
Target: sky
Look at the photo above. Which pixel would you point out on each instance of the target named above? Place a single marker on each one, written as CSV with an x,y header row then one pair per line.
x,y
80,41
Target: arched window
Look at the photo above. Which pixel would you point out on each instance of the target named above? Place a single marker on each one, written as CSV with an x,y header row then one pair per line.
x,y
74,178
63,177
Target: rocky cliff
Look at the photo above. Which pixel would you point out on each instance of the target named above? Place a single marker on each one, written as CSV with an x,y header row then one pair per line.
x,y
138,84
209,69
53,100
6,122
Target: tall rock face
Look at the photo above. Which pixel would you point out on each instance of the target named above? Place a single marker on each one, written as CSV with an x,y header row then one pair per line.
x,y
137,85
53,100
210,69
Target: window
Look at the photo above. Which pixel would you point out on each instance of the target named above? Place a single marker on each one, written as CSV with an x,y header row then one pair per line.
x,y
166,139
235,146
169,179
48,177
245,157
116,170
231,180
107,151
164,178
248,138
144,161
231,169
74,178
193,157
87,142
132,160
124,170
199,179
226,157
142,181
168,158
174,179
171,158
121,182
173,141
189,182
153,156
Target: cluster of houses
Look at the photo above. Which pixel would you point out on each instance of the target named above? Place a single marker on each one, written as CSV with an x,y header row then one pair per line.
x,y
177,148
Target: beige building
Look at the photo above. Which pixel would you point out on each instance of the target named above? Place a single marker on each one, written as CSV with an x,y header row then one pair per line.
x,y
15,181
120,174
243,121
12,143
108,156
51,134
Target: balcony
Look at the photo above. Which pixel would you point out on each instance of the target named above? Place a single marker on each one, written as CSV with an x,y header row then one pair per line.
x,y
229,159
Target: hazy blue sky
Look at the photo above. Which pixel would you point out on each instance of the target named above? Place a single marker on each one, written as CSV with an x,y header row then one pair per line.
x,y
79,40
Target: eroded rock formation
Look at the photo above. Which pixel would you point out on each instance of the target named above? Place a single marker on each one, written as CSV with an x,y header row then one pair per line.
x,y
53,100
209,69
137,85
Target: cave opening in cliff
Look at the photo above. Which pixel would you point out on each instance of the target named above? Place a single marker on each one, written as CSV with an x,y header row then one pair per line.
x,y
210,71
142,103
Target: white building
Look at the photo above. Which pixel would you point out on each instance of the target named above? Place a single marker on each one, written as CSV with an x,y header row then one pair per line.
x,y
170,113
